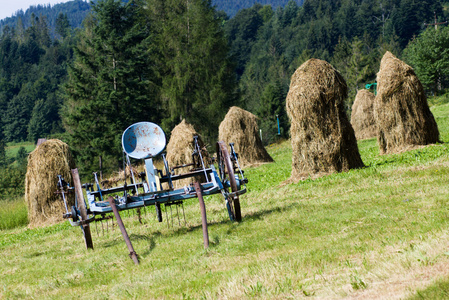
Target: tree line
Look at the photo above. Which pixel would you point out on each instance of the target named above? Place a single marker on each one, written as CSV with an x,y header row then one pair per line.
x,y
168,60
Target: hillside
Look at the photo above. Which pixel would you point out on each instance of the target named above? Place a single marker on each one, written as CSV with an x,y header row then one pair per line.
x,y
380,233
76,11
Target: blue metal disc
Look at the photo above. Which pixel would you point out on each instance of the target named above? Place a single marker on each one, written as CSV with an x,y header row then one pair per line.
x,y
143,140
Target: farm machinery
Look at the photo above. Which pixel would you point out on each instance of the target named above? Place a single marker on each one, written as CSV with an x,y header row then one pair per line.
x,y
146,141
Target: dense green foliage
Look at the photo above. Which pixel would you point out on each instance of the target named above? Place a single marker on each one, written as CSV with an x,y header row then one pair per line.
x,y
111,84
165,61
32,68
428,53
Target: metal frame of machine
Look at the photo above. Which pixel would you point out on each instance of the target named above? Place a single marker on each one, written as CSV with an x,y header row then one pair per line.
x,y
146,140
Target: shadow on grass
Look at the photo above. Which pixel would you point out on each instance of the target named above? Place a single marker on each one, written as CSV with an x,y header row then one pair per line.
x,y
213,241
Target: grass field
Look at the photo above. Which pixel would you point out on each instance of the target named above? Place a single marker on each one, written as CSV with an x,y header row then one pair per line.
x,y
13,148
376,232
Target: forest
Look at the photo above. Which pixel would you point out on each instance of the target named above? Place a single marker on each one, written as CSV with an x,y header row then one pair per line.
x,y
168,60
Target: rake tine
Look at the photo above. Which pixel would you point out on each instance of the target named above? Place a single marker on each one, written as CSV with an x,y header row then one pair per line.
x,y
177,213
102,228
139,215
171,216
112,223
96,229
183,212
166,216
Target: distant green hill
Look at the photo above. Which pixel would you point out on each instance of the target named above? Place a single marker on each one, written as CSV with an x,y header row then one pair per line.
x,y
76,11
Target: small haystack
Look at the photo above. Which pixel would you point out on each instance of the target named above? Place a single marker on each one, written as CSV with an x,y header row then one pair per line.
x,y
180,149
323,140
403,116
362,116
240,127
48,160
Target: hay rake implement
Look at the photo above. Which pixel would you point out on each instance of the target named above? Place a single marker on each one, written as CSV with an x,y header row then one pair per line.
x,y
144,141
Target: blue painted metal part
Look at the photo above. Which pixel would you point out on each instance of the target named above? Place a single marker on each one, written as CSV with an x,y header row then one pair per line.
x,y
368,86
143,140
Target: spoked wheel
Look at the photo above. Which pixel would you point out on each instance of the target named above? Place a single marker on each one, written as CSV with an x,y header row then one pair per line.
x,y
227,177
81,206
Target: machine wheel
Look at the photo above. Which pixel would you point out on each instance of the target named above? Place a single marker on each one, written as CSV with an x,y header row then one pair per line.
x,y
81,206
226,173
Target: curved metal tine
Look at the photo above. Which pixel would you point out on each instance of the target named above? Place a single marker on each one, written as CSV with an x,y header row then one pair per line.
x,y
132,173
96,229
166,217
183,212
60,180
236,158
98,185
197,147
167,172
177,213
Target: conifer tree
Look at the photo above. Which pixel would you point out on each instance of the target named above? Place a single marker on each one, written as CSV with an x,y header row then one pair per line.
x,y
198,82
111,83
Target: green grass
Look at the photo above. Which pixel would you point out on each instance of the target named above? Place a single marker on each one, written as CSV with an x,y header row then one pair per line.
x,y
13,148
362,233
439,290
13,213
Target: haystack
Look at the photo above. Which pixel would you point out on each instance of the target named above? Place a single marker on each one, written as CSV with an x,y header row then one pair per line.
x,y
48,160
323,140
180,149
362,116
403,116
240,127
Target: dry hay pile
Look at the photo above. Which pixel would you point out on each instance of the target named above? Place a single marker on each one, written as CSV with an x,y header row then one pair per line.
x,y
403,116
323,140
48,160
362,116
240,127
180,149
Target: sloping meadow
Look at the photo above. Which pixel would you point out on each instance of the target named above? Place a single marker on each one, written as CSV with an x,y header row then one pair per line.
x,y
376,232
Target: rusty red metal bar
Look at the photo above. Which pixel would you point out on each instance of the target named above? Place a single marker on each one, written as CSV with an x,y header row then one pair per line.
x,y
132,253
203,214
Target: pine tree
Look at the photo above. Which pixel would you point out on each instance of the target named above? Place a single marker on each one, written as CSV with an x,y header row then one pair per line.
x,y
428,54
110,83
198,82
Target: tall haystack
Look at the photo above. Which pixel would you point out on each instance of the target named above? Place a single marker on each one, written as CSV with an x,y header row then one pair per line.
x,y
48,160
323,140
240,127
403,116
362,116
180,149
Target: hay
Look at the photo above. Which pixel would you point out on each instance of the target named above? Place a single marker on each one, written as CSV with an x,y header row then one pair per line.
x,y
180,149
323,140
48,160
240,127
403,116
362,116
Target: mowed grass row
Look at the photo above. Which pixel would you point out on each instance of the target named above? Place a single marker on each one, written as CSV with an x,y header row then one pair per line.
x,y
379,232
